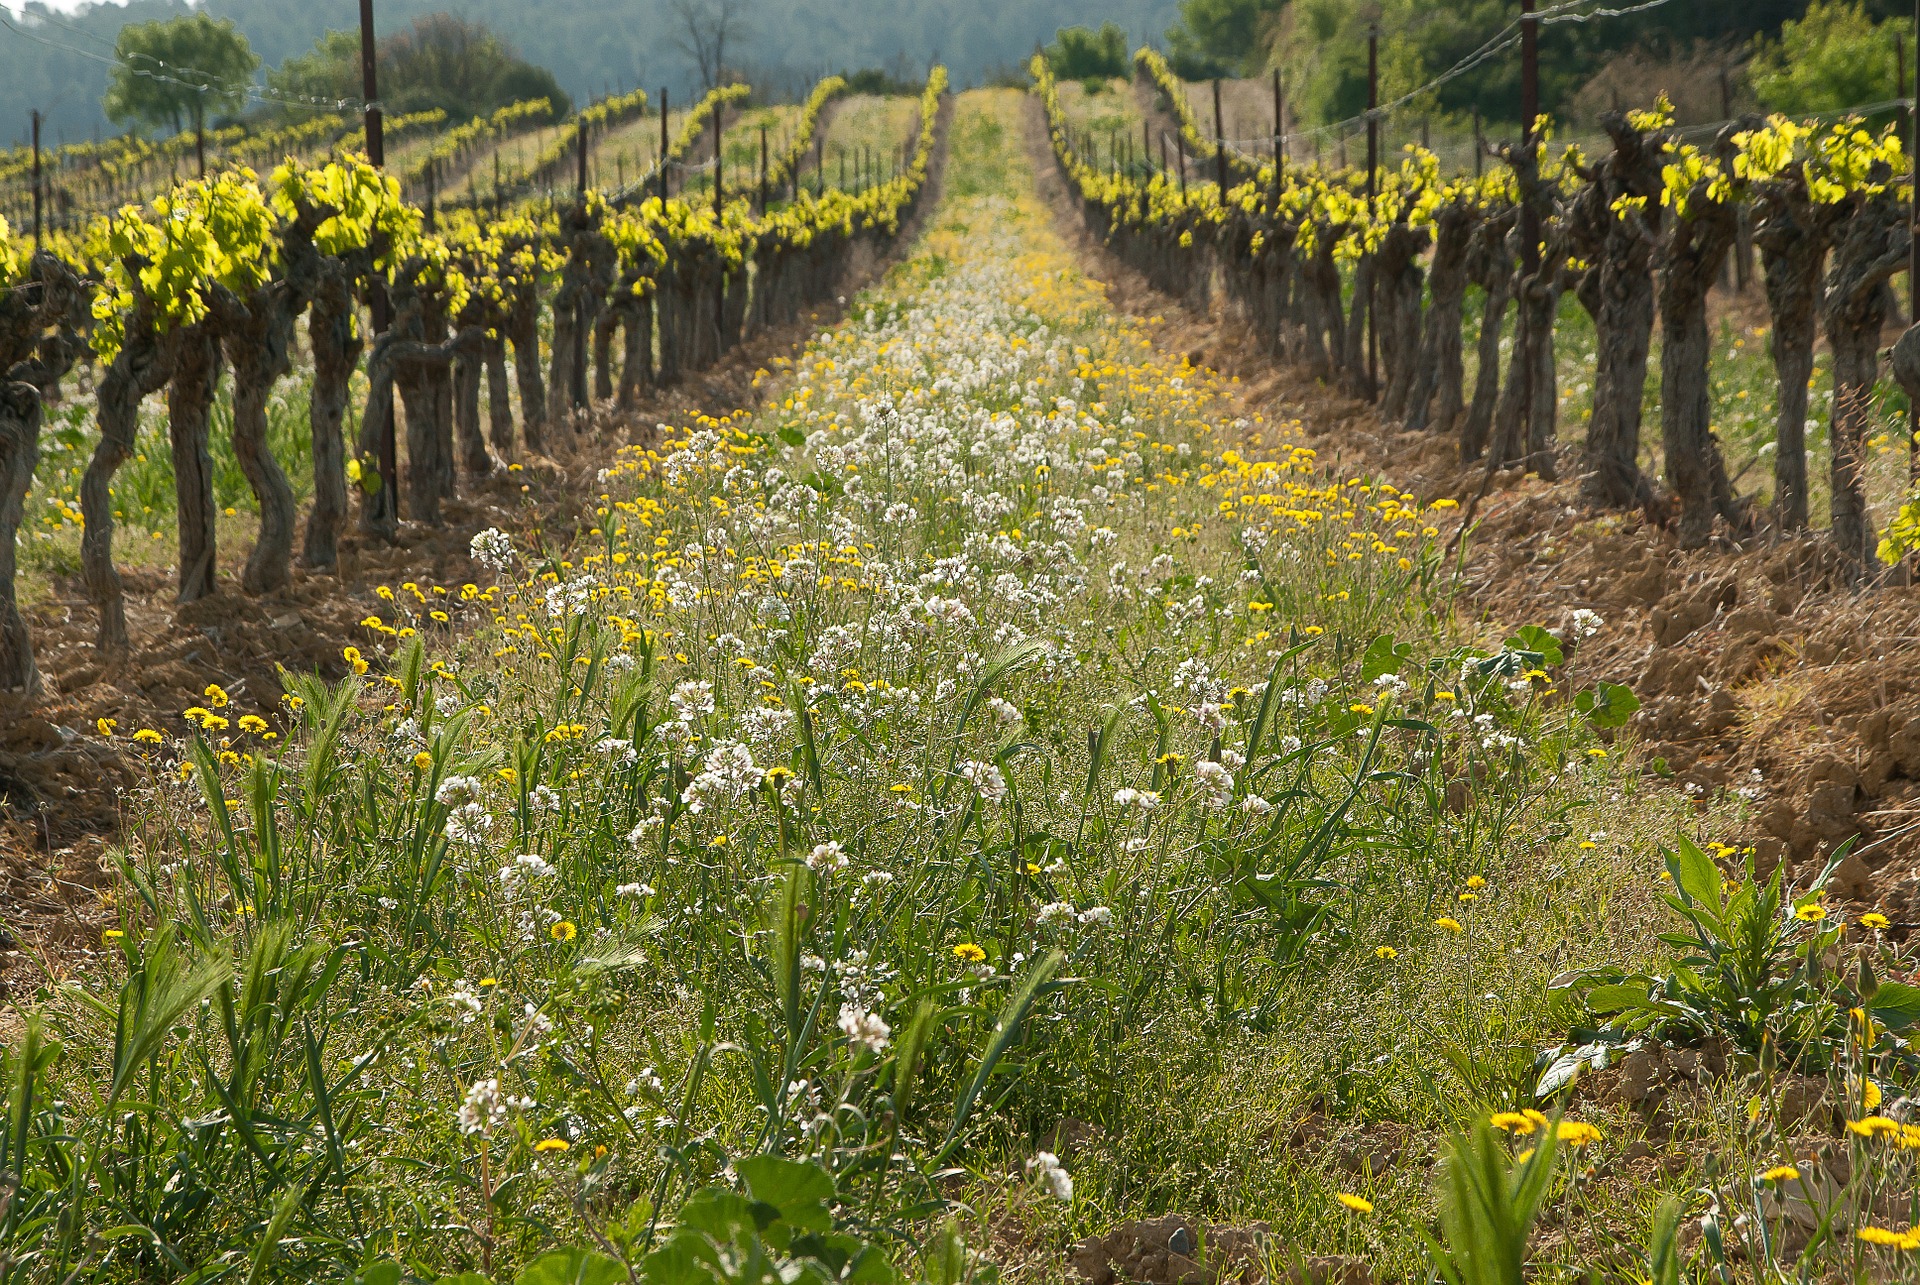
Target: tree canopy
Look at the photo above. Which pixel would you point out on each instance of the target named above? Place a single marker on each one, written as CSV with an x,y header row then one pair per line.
x,y
1822,56
176,71
1836,57
1078,53
442,61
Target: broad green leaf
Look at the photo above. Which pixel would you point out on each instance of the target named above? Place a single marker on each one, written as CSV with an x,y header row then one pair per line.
x,y
1896,1005
1611,999
800,1191
1695,874
1535,639
1607,704
573,1267
720,1213
1383,657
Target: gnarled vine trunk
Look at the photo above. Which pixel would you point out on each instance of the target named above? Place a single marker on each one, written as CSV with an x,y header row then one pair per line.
x,y
1869,247
336,350
1696,247
1491,266
260,354
603,328
636,365
1438,391
40,323
1623,313
19,453
524,333
1401,285
1356,377
143,365
499,400
566,334
196,378
1793,233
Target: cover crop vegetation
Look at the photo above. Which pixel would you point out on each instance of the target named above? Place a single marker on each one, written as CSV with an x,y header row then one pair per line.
x,y
998,789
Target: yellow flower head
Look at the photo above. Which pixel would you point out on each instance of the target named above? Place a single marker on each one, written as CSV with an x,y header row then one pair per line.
x,y
1577,1133
1385,952
563,931
1353,1202
1890,1239
1449,924
106,725
551,1144
968,951
1780,1173
1518,1121
216,695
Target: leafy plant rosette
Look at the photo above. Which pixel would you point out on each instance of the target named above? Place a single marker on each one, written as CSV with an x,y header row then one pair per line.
x,y
1761,976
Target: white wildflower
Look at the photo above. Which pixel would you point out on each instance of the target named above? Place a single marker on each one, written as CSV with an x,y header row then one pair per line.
x,y
492,549
1051,1176
985,778
864,1027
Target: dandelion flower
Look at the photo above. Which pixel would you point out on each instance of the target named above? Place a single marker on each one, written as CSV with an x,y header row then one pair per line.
x,y
1810,914
1577,1133
1355,1203
969,952
563,931
1518,1121
1872,919
1889,1238
552,1144
1780,1173
1450,924
1385,952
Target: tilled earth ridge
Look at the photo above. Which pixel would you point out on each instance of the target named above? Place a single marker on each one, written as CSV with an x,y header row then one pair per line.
x,y
1760,669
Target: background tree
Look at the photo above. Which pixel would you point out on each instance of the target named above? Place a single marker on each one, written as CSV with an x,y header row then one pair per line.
x,y
708,27
1078,53
464,68
178,70
1834,58
1222,37
329,72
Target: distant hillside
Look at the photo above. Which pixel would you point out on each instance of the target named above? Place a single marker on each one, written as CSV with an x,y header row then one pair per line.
x,y
589,44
